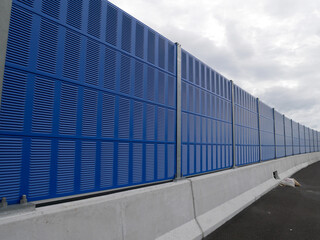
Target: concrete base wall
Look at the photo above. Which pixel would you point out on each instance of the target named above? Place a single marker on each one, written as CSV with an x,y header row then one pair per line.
x,y
187,209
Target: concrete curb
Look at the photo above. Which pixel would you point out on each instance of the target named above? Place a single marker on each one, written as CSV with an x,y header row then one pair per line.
x,y
186,209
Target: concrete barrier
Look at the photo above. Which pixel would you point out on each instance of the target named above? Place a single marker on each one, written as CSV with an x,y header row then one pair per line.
x,y
187,209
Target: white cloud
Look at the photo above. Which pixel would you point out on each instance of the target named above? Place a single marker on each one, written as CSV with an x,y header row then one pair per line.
x,y
268,47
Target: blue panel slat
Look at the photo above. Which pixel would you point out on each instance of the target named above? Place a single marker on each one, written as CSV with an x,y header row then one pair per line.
x,y
39,176
88,158
10,168
66,167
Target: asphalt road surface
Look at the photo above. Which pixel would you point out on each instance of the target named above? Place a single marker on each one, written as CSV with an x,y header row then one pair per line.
x,y
285,213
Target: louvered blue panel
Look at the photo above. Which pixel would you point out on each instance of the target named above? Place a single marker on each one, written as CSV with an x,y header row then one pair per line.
x,y
295,136
124,118
191,162
184,127
150,122
39,175
92,63
171,57
94,18
171,91
123,164
137,162
138,79
74,11
266,132
162,53
66,167
151,46
208,121
150,164
13,100
150,84
126,33
139,43
10,168
171,125
184,98
89,118
87,102
68,109
48,47
184,159
112,25
161,161
198,158
88,161
108,112
288,134
71,63
42,112
51,8
18,46
246,123
109,79
280,140
302,139
107,164
161,124
171,160
27,2
125,75
138,120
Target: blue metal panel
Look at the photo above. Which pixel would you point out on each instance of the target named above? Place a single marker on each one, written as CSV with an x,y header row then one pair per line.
x,y
307,139
280,141
246,127
295,134
206,118
302,139
266,131
89,101
288,132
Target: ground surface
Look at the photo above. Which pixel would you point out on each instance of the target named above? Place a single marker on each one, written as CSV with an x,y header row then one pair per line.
x,y
284,213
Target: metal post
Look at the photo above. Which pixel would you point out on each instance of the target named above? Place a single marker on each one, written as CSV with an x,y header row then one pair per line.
x,y
284,132
259,130
274,133
233,127
178,66
5,12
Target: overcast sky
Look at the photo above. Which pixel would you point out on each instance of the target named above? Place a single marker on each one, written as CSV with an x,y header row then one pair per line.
x,y
270,48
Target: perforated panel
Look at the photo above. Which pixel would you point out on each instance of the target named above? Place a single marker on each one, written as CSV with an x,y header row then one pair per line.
x,y
206,118
280,140
288,134
266,132
88,103
246,128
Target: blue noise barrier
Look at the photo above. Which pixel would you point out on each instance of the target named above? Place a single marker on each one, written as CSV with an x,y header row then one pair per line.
x,y
89,103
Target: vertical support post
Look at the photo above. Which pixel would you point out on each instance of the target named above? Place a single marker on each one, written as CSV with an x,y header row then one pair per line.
x,y
284,135
5,13
299,138
274,133
233,126
259,130
292,137
178,148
